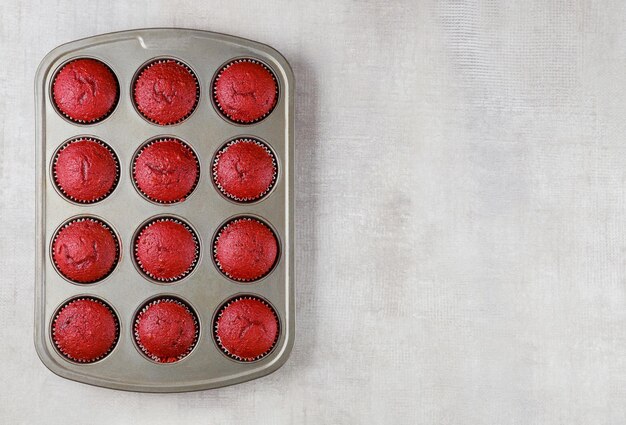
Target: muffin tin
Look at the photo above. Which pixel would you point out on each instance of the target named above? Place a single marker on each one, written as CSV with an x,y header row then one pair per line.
x,y
205,289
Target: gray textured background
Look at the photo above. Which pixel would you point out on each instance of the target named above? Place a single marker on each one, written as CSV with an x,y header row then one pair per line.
x,y
460,213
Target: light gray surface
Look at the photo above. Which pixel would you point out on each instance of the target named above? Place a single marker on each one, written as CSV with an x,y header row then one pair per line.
x,y
460,213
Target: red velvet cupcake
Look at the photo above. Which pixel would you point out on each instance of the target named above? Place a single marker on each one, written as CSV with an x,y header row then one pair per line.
x,y
244,170
85,170
166,249
166,92
166,171
85,330
245,91
166,330
85,250
246,328
85,90
245,249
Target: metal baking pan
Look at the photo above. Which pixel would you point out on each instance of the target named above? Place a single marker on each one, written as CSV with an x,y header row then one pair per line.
x,y
126,290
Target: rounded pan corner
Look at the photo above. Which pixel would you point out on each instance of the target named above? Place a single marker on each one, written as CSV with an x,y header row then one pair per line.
x,y
284,354
46,358
53,55
48,361
46,63
276,363
270,51
280,58
284,64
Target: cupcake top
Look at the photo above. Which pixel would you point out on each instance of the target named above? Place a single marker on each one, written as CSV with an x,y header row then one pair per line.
x,y
246,329
85,251
245,91
85,330
85,170
166,330
166,250
246,249
166,92
85,90
244,170
166,171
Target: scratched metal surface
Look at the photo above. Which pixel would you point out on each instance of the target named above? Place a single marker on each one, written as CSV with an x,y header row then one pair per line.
x,y
460,213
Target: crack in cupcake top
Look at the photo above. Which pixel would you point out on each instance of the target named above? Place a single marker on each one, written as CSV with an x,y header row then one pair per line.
x,y
166,92
85,91
85,330
85,250
166,329
245,170
166,170
166,249
245,249
85,170
245,91
246,328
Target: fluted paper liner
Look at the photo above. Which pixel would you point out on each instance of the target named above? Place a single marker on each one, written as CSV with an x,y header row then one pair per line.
x,y
145,308
94,220
83,122
217,237
228,145
104,145
150,65
117,330
152,142
186,272
221,311
217,103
